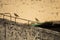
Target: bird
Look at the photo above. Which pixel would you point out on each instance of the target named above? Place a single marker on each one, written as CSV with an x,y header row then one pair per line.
x,y
36,19
16,15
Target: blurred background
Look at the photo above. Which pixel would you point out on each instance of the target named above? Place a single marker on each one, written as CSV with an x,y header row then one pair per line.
x,y
44,10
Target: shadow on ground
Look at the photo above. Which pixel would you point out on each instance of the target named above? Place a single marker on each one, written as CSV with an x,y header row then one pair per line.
x,y
52,25
48,25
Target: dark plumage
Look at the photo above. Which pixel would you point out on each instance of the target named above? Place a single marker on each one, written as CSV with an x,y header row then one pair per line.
x,y
16,15
36,19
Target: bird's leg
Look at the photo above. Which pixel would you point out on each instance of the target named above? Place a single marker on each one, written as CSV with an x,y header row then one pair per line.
x,y
10,17
28,23
3,17
15,19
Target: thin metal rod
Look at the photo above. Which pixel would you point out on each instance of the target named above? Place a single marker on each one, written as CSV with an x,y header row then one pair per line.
x,y
28,23
5,25
10,18
3,17
15,19
21,18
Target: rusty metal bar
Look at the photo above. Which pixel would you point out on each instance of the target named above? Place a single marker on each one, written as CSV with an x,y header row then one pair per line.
x,y
17,18
20,18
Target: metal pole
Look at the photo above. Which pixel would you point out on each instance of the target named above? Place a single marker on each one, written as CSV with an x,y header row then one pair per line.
x,y
28,23
10,17
5,25
15,19
3,16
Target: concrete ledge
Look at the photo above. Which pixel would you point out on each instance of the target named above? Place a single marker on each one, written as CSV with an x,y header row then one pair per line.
x,y
24,32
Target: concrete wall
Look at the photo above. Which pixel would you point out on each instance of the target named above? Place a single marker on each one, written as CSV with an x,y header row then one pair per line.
x,y
44,10
12,31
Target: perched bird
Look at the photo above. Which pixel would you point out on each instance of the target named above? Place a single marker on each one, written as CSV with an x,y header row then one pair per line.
x,y
36,19
16,15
